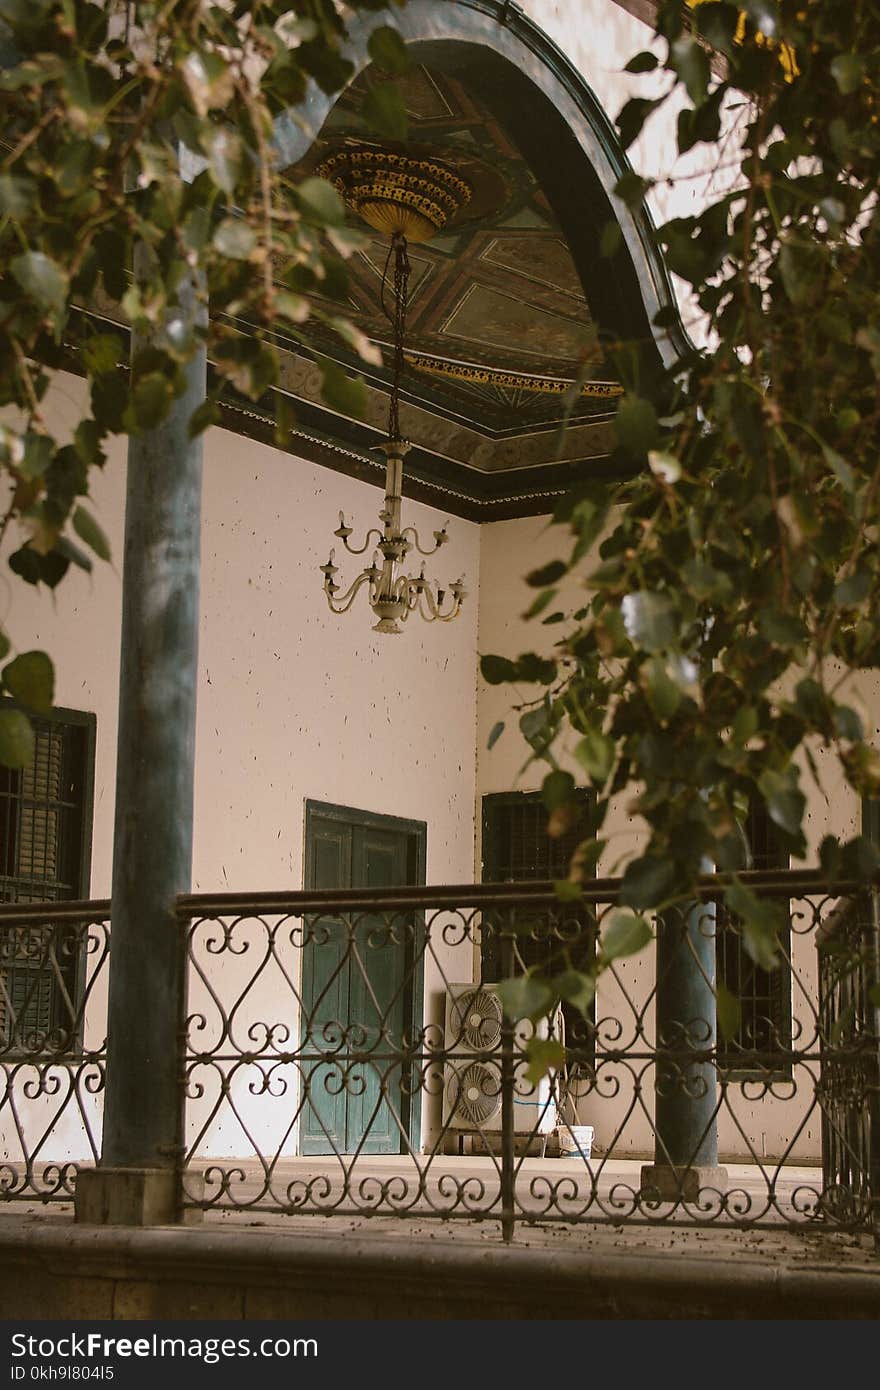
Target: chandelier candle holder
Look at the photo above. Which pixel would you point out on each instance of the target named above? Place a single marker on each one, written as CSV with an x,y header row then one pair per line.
x,y
408,199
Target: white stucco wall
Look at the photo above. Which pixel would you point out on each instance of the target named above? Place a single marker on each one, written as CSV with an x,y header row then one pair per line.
x,y
294,703
776,1124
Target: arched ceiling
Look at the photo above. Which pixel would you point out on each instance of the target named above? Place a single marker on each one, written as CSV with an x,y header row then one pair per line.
x,y
498,322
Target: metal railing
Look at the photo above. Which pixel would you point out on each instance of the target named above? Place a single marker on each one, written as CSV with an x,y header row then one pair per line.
x,y
330,1069
848,941
53,983
342,1055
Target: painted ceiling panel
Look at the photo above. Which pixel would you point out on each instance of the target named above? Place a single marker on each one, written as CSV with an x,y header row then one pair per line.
x,y
498,321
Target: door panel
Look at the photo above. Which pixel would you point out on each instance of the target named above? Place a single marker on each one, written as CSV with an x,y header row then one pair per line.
x,y
376,995
325,999
356,992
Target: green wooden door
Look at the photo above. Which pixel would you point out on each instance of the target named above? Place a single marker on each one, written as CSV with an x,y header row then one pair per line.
x,y
356,992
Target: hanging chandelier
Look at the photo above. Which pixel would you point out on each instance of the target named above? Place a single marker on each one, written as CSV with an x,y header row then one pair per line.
x,y
410,200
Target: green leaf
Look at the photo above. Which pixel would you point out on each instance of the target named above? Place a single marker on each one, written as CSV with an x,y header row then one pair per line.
x,y
43,281
30,679
785,802
840,467
664,466
558,789
764,14
848,71
150,402
225,154
343,393
103,352
88,530
567,891
636,425
650,620
16,739
648,881
234,238
388,51
706,582
631,188
859,859
760,921
74,553
17,195
496,731
717,24
625,934
783,629
664,694
497,670
526,997
203,417
4,645
384,112
847,724
535,728
849,593
610,241
596,753
728,1012
38,451
577,989
691,62
319,201
544,1055
34,568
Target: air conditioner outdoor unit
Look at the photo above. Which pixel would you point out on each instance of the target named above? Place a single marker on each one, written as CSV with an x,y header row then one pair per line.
x,y
472,1086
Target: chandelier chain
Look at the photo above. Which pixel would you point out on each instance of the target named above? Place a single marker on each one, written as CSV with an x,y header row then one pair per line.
x,y
397,316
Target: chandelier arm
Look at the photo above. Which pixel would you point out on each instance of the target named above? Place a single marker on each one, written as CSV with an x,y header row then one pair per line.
x,y
428,605
416,543
434,613
342,604
453,612
354,550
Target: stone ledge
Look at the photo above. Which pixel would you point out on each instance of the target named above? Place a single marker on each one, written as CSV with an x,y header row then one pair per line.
x,y
202,1272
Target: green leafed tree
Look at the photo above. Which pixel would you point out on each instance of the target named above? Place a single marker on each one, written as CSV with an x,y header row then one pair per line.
x,y
732,578
130,125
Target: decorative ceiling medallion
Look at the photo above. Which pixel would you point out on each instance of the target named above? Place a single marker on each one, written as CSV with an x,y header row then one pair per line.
x,y
477,374
394,192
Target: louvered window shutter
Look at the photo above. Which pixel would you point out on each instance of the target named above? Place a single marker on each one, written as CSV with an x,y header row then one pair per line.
x,y
517,849
45,818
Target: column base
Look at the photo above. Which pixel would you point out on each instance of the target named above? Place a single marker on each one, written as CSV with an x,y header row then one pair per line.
x,y
132,1197
665,1183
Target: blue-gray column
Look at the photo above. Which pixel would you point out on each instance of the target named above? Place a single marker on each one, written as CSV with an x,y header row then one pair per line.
x,y
685,1089
152,852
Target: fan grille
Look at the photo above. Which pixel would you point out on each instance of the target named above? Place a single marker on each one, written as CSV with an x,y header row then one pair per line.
x,y
477,1018
474,1093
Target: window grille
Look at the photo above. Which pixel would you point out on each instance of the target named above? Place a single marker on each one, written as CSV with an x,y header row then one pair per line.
x,y
764,995
518,849
45,844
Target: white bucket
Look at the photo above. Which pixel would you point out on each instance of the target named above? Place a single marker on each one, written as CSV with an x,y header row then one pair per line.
x,y
576,1141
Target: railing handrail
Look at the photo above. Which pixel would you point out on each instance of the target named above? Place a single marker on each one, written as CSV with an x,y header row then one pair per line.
x,y
80,910
789,883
